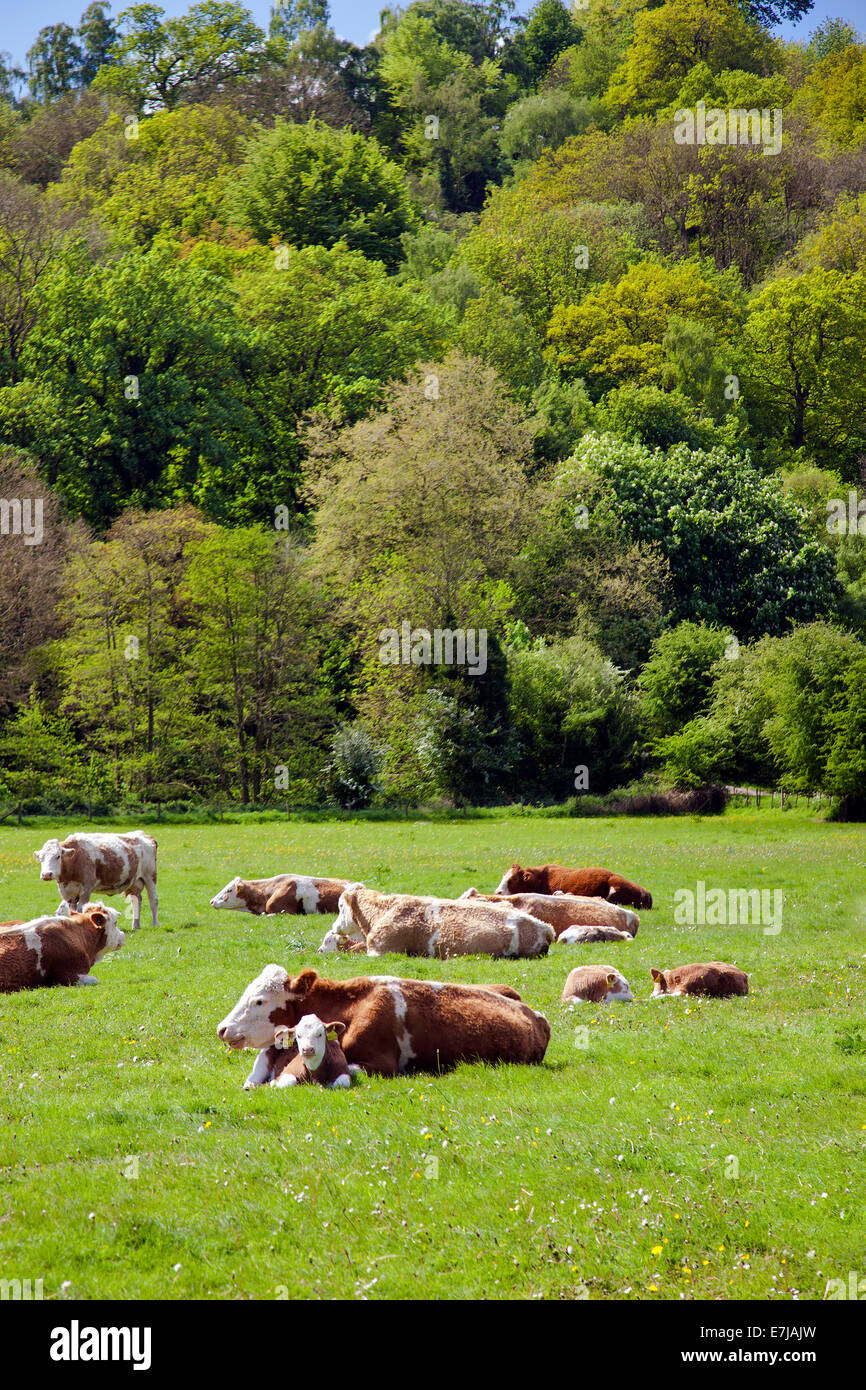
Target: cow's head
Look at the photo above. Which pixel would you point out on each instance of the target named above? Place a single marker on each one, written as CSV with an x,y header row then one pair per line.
x,y
470,893
50,858
272,999
311,1037
228,896
107,917
660,983
618,991
515,881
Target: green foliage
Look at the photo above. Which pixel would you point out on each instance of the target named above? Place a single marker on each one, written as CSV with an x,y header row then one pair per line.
x,y
570,708
462,753
739,549
551,29
677,681
159,62
356,765
310,185
543,122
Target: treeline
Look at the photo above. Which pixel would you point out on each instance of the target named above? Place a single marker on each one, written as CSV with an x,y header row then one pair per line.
x,y
302,342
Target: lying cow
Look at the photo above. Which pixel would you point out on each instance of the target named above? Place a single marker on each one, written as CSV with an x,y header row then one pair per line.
x,y
583,936
564,910
60,950
311,1053
392,1025
414,926
585,883
286,893
596,984
84,864
713,978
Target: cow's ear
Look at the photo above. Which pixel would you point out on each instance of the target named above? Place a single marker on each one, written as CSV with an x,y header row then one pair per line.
x,y
284,1037
611,981
335,1029
304,982
656,974
98,917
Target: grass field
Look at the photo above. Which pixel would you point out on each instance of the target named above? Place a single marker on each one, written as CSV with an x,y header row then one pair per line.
x,y
678,1149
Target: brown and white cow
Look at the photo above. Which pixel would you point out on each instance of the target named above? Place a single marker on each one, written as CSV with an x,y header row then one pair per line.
x,y
437,927
712,977
596,984
86,864
584,936
563,910
285,893
310,1053
585,883
392,1025
60,950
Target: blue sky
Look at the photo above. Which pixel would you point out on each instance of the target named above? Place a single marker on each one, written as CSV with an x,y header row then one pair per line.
x,y
354,19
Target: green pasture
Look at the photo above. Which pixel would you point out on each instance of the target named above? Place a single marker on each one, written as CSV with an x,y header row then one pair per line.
x,y
664,1150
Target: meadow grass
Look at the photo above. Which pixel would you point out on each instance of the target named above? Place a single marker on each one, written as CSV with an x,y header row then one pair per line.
x,y
673,1149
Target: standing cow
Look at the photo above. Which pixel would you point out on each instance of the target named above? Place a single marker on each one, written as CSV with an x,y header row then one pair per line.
x,y
84,864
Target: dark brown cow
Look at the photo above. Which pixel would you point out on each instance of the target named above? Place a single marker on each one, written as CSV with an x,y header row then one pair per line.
x,y
392,1025
310,1053
58,950
582,883
713,977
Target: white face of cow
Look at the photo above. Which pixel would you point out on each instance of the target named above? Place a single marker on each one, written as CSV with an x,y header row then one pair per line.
x,y
619,992
249,1023
114,937
50,857
311,1037
228,896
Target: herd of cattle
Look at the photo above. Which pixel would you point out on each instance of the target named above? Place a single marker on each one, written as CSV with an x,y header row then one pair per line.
x,y
310,1029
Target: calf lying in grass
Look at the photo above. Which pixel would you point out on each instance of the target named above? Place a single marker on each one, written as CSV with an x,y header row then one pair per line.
x,y
317,1057
58,950
596,984
713,978
581,936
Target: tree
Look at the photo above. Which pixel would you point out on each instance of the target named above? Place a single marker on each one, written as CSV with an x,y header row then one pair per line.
x,y
551,29
54,61
253,659
311,185
570,708
356,765
543,122
38,754
291,18
98,35
671,38
170,179
616,334
835,94
804,339
676,684
32,232
125,687
150,381
437,478
846,763
740,551
332,330
158,61
461,753
35,543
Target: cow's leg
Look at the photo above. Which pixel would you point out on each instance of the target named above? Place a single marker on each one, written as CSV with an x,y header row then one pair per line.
x,y
355,1071
341,1083
87,980
260,1073
134,897
154,902
286,1079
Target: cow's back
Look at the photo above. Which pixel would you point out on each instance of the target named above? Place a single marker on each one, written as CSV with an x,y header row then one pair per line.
x,y
445,1024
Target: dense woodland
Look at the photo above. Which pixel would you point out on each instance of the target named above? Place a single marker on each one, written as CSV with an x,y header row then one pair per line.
x,y
300,342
